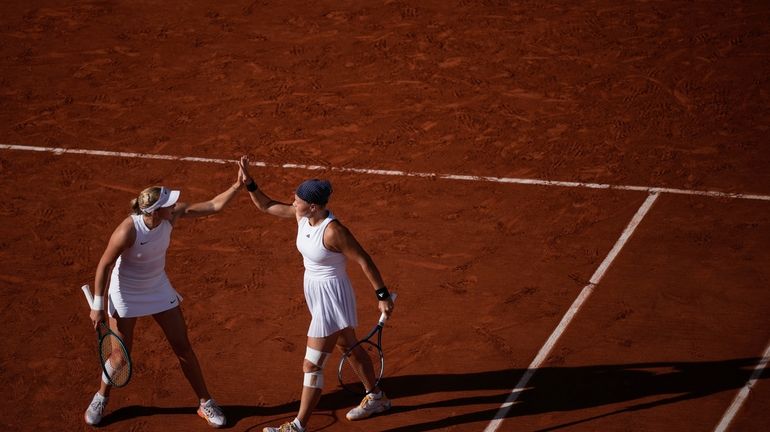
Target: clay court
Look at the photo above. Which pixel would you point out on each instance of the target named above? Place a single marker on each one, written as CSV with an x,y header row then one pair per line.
x,y
573,203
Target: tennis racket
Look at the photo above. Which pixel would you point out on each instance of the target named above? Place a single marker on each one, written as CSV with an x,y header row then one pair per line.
x,y
364,359
114,359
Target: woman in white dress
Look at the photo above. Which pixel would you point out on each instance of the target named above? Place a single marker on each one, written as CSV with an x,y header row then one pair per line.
x,y
138,286
325,245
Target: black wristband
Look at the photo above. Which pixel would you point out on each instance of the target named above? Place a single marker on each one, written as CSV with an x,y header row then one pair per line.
x,y
251,187
382,293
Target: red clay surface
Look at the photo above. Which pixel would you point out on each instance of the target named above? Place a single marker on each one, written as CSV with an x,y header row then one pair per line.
x,y
657,94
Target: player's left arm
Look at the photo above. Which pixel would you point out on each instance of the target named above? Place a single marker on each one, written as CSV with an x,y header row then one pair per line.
x,y
205,208
338,238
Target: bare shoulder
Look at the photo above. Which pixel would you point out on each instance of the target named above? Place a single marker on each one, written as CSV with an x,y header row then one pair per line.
x,y
127,225
125,233
336,228
339,237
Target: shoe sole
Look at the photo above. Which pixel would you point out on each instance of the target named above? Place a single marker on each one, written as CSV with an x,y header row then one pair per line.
x,y
214,425
378,411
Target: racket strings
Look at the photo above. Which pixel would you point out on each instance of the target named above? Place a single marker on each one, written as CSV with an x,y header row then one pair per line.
x,y
362,368
114,358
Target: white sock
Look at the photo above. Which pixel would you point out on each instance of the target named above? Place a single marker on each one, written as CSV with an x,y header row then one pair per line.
x,y
376,395
298,425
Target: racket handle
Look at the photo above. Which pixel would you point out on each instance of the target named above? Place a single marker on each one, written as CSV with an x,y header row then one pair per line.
x,y
87,292
384,317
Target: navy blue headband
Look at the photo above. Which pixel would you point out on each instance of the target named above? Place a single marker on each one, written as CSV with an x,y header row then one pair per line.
x,y
315,191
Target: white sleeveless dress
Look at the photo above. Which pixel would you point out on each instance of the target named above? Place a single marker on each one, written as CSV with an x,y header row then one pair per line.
x,y
328,291
139,285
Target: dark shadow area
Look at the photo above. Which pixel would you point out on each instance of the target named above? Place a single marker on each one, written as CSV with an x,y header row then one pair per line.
x,y
234,413
551,389
554,389
134,411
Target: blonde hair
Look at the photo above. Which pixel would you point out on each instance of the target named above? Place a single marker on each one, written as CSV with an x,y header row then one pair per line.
x,y
145,199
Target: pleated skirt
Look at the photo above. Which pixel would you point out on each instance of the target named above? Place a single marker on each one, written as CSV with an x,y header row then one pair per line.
x,y
332,305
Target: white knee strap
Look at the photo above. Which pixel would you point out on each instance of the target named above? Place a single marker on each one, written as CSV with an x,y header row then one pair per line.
x,y
110,371
314,379
316,357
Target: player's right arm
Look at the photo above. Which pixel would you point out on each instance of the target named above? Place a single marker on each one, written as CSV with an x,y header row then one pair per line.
x,y
122,238
261,201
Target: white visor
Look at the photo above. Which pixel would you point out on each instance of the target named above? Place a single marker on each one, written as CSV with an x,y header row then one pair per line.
x,y
167,198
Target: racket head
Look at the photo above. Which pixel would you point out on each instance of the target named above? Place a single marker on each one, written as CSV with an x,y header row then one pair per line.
x,y
351,370
113,350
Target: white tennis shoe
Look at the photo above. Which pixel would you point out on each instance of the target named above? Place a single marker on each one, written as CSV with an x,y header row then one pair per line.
x,y
286,427
369,406
96,409
212,413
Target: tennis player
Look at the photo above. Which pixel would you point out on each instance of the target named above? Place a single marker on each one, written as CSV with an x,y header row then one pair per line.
x,y
325,245
139,286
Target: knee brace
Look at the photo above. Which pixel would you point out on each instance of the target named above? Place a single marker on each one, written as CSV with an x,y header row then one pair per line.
x,y
315,379
316,357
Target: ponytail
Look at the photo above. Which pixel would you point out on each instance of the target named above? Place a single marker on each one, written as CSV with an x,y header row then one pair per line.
x,y
135,210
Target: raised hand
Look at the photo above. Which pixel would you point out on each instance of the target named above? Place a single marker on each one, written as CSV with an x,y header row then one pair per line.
x,y
243,164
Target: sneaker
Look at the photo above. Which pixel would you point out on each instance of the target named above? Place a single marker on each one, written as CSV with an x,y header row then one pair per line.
x,y
286,427
368,406
96,409
212,413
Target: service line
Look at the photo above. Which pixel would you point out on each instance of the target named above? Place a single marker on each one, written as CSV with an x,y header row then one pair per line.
x,y
538,182
542,355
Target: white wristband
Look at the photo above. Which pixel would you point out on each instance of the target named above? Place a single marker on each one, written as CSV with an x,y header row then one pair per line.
x,y
98,303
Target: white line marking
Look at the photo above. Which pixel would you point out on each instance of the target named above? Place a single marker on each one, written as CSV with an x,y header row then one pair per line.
x,y
537,182
542,355
599,273
744,393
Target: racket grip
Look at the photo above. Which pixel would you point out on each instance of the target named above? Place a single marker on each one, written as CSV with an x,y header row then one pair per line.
x,y
87,292
384,317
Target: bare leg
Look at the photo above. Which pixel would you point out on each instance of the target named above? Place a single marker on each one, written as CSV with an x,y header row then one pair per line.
x,y
124,328
311,395
361,362
173,324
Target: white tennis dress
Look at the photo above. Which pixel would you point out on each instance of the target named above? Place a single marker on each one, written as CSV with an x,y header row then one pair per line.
x,y
328,291
139,285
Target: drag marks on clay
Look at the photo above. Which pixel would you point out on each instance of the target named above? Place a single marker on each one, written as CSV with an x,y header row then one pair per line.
x,y
284,344
460,287
426,264
491,338
520,293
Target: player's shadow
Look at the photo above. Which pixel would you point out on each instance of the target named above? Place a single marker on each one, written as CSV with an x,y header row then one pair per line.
x,y
234,413
551,389
135,411
554,389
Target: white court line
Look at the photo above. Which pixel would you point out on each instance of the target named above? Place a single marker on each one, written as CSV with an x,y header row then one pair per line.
x,y
649,189
576,305
542,355
744,393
